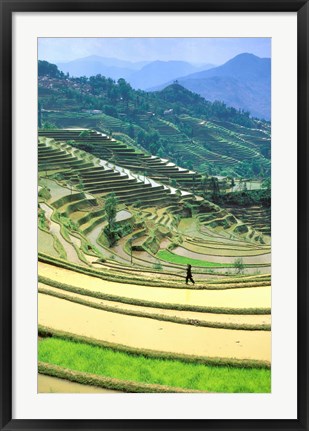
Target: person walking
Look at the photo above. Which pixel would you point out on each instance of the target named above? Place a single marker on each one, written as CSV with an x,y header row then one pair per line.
x,y
189,274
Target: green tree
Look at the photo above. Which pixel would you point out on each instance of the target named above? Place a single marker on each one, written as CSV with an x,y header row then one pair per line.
x,y
131,132
84,134
158,266
49,69
48,126
266,184
40,115
71,183
215,188
239,265
141,137
110,230
110,110
42,220
125,90
80,184
160,152
44,193
110,207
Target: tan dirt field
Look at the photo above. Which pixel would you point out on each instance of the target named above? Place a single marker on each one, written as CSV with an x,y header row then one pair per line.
x,y
259,297
264,319
151,334
48,384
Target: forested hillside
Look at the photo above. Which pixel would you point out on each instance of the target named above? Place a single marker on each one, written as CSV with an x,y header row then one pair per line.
x,y
174,123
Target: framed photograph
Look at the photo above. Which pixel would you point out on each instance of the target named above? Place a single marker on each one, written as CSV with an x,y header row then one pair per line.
x,y
154,215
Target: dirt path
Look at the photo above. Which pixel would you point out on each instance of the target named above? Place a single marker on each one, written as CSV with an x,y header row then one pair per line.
x,y
151,334
48,384
77,242
259,297
93,235
264,319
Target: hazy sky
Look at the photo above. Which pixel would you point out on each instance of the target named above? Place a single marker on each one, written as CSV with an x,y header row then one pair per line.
x,y
195,50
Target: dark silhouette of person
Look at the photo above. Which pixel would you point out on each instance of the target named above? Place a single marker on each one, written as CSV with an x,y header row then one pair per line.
x,y
189,275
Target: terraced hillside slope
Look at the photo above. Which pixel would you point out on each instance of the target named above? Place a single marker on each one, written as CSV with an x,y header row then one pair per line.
x,y
126,156
227,145
115,312
208,137
257,216
124,153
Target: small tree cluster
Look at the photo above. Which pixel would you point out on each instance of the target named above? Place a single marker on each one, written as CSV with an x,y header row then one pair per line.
x,y
239,265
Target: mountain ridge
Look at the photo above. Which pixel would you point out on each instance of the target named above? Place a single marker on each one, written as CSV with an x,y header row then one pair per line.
x,y
159,71
243,82
140,75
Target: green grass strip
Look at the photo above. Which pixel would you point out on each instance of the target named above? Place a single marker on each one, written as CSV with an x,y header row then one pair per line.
x,y
47,332
105,382
155,316
168,256
101,361
145,303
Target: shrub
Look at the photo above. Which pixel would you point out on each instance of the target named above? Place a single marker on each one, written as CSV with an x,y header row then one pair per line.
x,y
59,176
44,193
188,209
239,265
84,133
48,126
173,245
157,266
68,223
111,235
42,220
110,207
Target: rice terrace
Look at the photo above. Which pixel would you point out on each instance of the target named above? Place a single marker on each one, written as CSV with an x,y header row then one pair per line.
x,y
154,255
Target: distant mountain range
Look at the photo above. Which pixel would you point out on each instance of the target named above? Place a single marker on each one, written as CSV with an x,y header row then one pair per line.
x,y
141,75
95,65
243,82
162,71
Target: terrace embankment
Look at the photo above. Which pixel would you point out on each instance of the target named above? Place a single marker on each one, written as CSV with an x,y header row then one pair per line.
x,y
143,333
196,318
232,299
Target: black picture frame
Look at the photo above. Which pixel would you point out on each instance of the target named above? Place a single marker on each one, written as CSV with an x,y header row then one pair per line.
x,y
8,7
